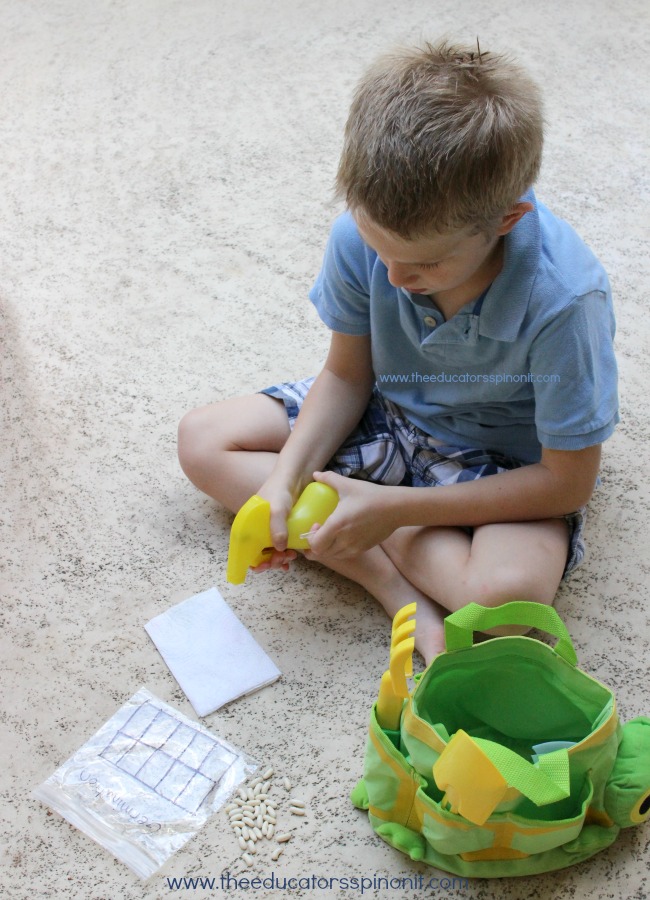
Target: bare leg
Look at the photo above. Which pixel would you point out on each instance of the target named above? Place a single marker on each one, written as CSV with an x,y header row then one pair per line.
x,y
499,563
376,572
229,449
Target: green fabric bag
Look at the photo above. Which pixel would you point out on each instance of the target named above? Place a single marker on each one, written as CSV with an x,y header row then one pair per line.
x,y
508,760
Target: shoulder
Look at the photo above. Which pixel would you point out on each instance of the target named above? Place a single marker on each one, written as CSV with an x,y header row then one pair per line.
x,y
567,266
341,292
344,229
547,270
348,259
346,242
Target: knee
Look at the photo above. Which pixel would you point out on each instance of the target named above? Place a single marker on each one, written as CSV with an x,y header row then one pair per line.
x,y
508,584
196,442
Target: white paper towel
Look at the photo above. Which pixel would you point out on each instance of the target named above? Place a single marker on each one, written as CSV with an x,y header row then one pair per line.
x,y
212,656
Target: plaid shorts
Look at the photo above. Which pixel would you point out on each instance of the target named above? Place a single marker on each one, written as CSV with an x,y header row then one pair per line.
x,y
388,449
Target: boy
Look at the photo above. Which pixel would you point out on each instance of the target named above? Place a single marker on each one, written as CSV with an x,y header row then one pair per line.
x,y
471,357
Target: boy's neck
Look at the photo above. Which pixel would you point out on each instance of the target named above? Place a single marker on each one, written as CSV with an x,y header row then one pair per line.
x,y
451,301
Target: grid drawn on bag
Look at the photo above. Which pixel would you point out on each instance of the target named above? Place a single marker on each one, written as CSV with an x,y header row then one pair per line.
x,y
179,762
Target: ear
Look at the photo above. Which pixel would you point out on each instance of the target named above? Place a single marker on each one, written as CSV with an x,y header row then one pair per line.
x,y
515,215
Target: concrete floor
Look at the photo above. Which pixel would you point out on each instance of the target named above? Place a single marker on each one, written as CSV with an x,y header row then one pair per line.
x,y
165,176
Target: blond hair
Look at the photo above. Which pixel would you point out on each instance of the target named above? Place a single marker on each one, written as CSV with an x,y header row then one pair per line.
x,y
440,138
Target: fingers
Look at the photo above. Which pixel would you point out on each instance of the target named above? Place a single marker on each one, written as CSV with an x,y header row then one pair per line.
x,y
308,554
331,541
279,559
321,541
278,526
333,479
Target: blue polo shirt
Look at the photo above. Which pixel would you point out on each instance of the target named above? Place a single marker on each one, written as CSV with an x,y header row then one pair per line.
x,y
529,364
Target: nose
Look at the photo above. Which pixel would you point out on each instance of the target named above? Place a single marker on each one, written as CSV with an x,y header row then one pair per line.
x,y
401,275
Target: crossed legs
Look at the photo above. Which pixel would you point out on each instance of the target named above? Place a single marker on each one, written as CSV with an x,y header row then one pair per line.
x,y
228,450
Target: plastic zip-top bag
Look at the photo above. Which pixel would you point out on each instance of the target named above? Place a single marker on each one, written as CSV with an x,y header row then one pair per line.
x,y
146,782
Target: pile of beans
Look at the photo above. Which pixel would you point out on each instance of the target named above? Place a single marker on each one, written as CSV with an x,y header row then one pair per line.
x,y
253,815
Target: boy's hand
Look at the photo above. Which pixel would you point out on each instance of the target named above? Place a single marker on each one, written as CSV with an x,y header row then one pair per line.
x,y
281,500
280,559
363,518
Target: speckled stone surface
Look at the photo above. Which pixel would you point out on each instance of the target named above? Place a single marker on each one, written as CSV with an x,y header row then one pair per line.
x,y
165,176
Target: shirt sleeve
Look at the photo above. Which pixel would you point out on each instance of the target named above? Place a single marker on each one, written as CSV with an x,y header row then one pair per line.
x,y
341,293
575,375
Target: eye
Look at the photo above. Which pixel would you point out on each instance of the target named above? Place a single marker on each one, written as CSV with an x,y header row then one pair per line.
x,y
429,265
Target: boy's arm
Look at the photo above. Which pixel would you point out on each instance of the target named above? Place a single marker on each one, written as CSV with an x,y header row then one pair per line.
x,y
561,482
333,407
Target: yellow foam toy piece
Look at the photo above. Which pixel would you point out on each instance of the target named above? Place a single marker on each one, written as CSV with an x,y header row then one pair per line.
x,y
250,535
473,785
393,689
389,704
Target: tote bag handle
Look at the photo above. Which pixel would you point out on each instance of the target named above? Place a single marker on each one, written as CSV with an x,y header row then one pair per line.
x,y
461,625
